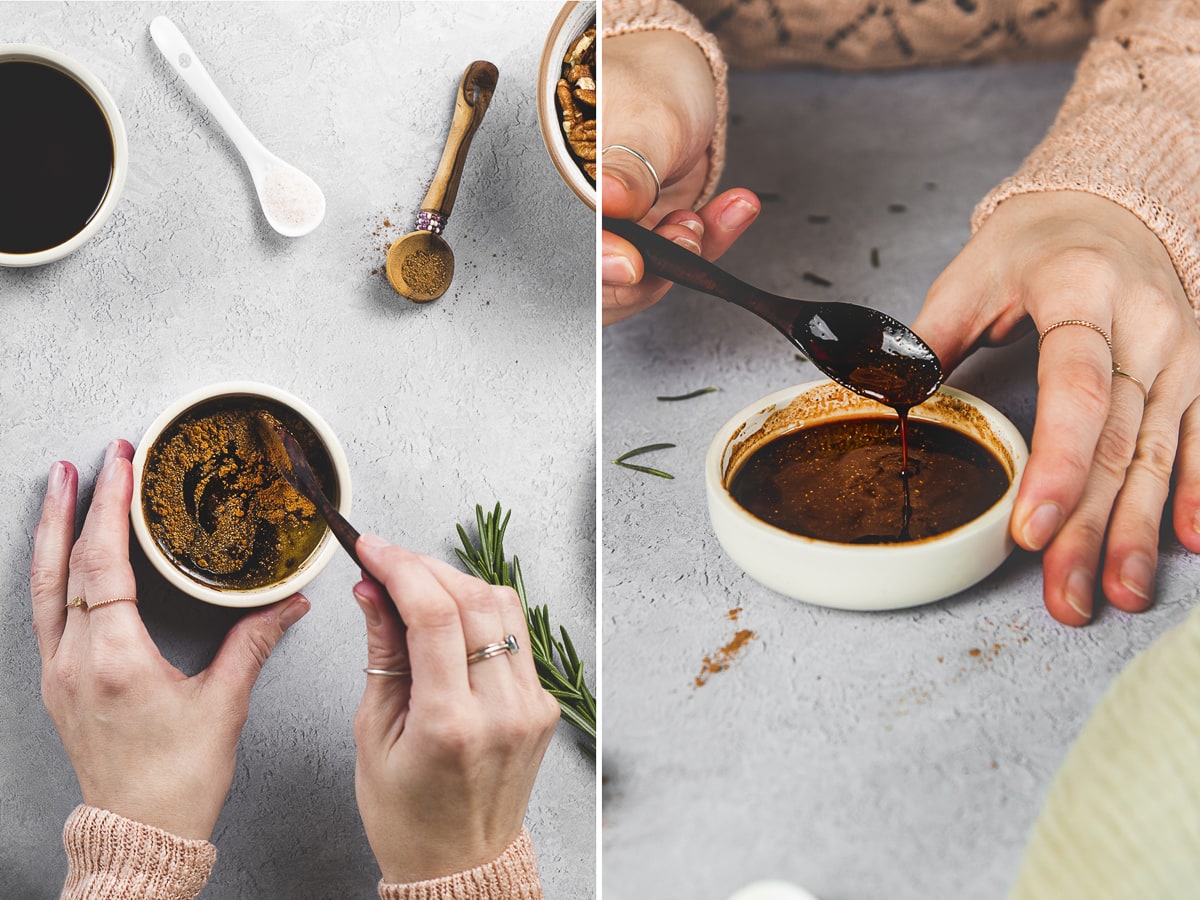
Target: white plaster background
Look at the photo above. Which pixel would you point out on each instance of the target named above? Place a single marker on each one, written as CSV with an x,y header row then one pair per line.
x,y
864,756
487,394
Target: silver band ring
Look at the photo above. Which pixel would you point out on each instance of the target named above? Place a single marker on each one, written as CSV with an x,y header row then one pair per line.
x,y
645,162
1084,322
1117,370
508,645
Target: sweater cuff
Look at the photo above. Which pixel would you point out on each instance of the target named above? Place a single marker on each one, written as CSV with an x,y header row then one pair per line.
x,y
110,857
632,16
1127,132
511,876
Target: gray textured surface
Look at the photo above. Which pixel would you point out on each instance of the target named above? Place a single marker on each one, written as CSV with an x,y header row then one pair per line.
x,y
860,755
484,395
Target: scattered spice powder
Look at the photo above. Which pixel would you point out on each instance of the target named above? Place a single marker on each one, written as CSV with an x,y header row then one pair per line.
x,y
734,614
723,658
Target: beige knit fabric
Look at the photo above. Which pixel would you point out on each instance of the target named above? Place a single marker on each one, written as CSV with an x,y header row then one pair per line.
x,y
111,857
1129,129
1122,819
513,876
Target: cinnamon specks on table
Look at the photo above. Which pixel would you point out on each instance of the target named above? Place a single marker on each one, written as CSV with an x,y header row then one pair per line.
x,y
723,658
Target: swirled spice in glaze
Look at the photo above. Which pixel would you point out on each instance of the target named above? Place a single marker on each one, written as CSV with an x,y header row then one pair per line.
x,y
217,507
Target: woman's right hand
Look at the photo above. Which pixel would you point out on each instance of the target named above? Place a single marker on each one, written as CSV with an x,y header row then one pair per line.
x,y
659,99
448,754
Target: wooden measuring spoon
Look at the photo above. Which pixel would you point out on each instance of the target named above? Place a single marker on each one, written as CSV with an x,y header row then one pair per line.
x,y
420,265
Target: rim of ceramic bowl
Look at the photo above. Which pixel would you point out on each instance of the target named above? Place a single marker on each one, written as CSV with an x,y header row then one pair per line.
x,y
714,475
316,561
116,128
572,20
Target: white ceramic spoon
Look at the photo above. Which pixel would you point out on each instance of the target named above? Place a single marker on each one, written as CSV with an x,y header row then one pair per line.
x,y
772,890
291,201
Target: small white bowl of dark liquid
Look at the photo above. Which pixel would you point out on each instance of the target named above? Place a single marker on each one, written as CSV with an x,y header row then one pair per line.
x,y
63,158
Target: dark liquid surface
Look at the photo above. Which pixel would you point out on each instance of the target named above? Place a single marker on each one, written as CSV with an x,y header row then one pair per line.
x,y
56,157
219,509
841,481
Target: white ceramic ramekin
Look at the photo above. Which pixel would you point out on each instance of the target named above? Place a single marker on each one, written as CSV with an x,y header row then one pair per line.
x,y
309,568
572,21
858,576
116,127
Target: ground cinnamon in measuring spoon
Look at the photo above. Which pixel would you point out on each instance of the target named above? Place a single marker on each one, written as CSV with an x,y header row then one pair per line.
x,y
425,272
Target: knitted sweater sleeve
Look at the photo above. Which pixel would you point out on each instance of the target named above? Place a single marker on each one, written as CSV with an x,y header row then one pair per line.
x,y
1129,129
110,857
631,16
511,876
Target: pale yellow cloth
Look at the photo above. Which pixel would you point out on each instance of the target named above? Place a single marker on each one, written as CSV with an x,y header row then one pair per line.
x,y
1121,820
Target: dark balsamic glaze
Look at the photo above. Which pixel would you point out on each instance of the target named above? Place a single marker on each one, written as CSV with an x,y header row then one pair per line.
x,y
844,481
56,157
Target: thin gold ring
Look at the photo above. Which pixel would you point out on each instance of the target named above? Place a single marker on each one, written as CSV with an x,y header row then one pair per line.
x,y
393,672
1117,370
645,162
92,606
76,601
1084,322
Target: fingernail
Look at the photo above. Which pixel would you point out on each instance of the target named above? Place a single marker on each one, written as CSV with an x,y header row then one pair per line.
x,y
1042,525
369,611
293,613
1137,574
373,540
737,214
695,226
1196,522
688,243
57,481
1079,592
111,451
617,270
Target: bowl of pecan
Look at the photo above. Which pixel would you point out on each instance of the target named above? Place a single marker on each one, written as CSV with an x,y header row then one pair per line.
x,y
567,97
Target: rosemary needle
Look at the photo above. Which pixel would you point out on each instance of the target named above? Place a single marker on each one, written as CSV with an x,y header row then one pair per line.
x,y
696,393
620,460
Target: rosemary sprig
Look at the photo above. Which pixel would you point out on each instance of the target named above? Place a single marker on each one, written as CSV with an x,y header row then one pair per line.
x,y
562,677
696,393
620,460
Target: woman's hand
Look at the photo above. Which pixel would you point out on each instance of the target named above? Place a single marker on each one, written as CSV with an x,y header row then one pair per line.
x,y
146,742
1102,454
447,755
659,99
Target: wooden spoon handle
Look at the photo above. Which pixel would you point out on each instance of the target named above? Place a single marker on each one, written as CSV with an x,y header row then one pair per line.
x,y
474,95
672,262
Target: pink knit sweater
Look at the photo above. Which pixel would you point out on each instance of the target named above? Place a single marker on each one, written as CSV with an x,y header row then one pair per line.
x,y
114,858
1129,130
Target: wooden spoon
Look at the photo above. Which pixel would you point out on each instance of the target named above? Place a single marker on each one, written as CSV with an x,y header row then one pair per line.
x,y
420,265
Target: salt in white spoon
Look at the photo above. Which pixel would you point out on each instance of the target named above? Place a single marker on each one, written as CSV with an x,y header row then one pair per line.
x,y
291,201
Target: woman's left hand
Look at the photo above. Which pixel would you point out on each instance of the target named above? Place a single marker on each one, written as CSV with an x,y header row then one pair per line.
x,y
147,742
1102,454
